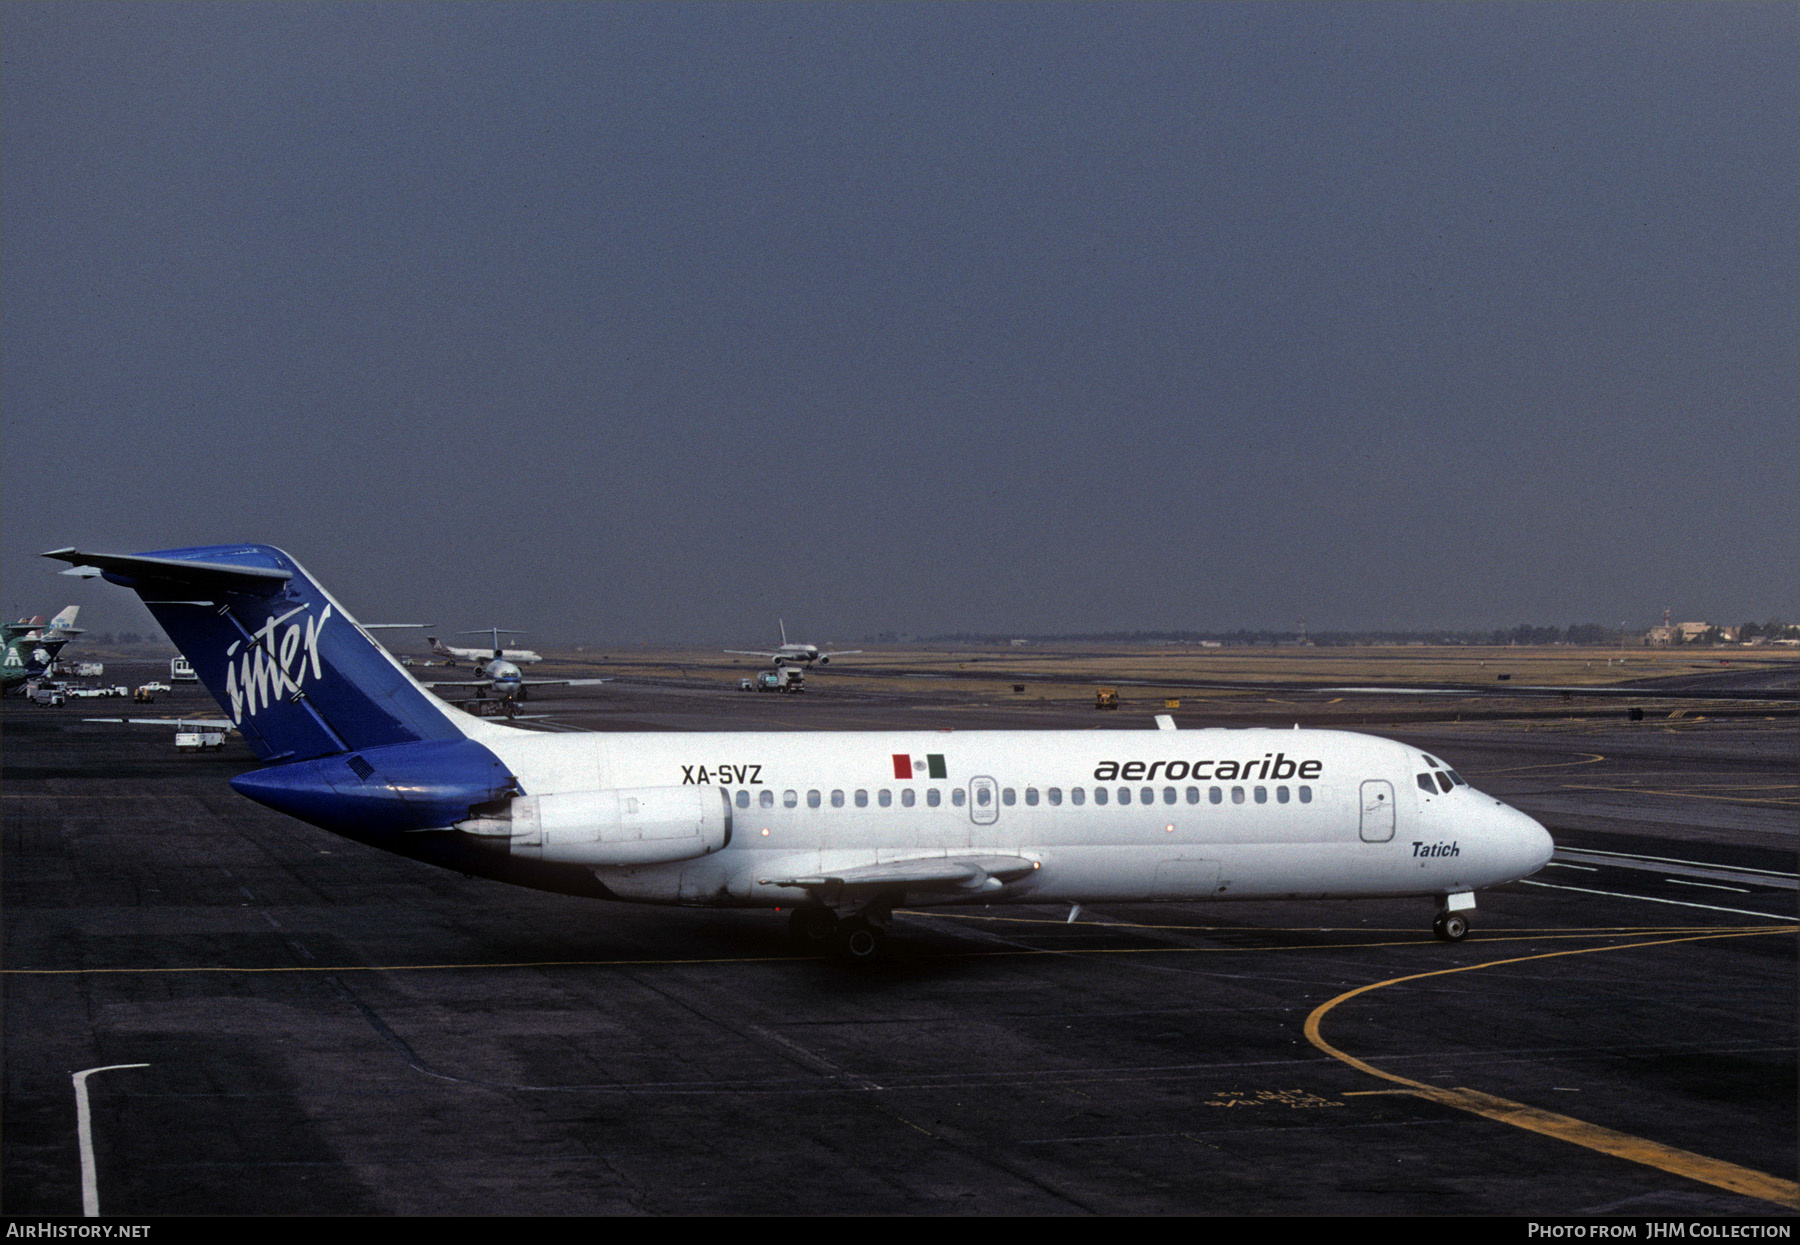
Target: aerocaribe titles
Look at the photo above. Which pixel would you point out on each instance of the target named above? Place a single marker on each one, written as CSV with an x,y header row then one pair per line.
x,y
265,673
1276,765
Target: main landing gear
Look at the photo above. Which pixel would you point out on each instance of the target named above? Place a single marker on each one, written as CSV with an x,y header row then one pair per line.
x,y
858,939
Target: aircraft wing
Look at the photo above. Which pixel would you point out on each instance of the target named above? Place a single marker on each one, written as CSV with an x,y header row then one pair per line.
x,y
744,652
842,652
956,874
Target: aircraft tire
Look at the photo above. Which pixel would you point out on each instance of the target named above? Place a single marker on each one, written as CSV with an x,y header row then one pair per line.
x,y
1451,927
859,942
812,928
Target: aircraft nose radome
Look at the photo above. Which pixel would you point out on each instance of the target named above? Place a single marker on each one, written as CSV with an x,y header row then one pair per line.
x,y
1535,846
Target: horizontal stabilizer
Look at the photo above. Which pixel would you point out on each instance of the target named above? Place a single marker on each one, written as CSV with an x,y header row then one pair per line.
x,y
135,568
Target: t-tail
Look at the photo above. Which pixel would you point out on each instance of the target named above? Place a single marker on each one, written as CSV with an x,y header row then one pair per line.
x,y
356,744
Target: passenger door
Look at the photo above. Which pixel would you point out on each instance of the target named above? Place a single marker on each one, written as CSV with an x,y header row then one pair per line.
x,y
1377,811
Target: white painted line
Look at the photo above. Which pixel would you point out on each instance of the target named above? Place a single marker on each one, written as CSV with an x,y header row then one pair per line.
x,y
1662,864
1711,886
1767,916
1557,864
1578,852
90,1190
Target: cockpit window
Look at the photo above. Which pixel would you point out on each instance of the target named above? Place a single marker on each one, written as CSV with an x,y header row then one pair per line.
x,y
1425,783
1456,778
1444,782
1431,760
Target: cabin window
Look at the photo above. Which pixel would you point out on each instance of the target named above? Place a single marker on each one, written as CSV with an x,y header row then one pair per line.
x,y
1262,795
933,796
862,798
1055,794
1100,795
1031,797
1077,795
983,795
1124,795
812,799
1147,796
1425,783
956,796
1306,795
885,798
908,796
1281,795
1193,795
1008,797
1237,795
766,799
1216,795
790,799
837,799
1168,795
743,799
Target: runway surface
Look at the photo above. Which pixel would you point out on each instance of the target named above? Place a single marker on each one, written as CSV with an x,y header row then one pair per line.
x,y
327,1029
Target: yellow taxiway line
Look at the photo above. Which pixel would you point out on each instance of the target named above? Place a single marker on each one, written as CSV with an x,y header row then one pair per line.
x,y
1730,1176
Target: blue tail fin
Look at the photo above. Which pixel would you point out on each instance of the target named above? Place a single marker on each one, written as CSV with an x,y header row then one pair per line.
x,y
284,660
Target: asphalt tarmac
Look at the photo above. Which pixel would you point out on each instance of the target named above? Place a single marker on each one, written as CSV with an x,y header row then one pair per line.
x,y
297,1025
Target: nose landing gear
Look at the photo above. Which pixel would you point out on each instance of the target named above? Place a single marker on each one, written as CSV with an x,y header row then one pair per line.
x,y
1452,923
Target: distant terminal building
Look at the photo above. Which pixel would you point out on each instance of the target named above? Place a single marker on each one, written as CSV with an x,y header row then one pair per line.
x,y
1689,633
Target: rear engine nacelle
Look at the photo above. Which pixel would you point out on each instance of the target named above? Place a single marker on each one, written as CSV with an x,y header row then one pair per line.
x,y
631,826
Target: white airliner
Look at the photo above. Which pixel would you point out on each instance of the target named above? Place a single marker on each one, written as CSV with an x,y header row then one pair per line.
x,y
841,827
507,683
480,656
793,653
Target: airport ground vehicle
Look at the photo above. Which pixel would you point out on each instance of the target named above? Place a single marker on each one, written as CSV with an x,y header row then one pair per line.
x,y
843,826
199,740
780,679
48,696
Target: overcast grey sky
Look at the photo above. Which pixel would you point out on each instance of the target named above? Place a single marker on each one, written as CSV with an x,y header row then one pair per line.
x,y
637,322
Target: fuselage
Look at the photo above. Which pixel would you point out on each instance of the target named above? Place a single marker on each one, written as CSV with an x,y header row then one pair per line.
x,y
1103,815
